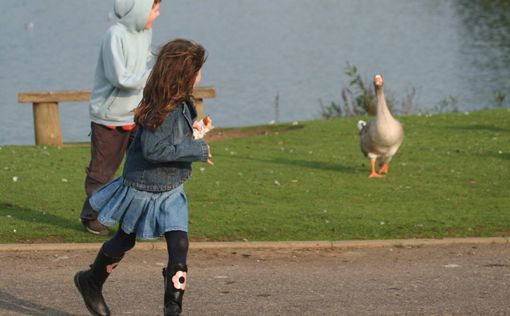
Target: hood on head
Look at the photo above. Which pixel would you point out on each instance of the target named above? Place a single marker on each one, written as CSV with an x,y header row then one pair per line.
x,y
133,14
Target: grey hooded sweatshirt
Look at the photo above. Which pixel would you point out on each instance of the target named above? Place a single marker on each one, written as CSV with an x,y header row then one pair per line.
x,y
122,68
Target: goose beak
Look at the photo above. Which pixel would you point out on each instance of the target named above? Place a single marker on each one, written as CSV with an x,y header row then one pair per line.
x,y
378,80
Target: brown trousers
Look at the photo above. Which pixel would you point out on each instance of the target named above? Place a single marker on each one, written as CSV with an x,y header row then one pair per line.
x,y
108,147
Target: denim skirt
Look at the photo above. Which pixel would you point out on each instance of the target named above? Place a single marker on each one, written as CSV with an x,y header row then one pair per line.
x,y
148,214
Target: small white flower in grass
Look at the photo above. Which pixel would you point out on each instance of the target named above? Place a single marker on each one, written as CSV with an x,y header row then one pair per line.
x,y
466,113
15,178
276,182
500,152
202,169
272,122
64,180
295,123
9,216
6,168
327,221
14,231
232,152
382,223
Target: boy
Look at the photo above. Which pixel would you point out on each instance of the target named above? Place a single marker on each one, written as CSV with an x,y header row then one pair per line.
x,y
120,76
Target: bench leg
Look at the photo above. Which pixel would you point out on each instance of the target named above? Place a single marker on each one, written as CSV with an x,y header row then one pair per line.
x,y
47,124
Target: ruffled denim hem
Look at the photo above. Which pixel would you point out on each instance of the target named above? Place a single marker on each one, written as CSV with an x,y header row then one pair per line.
x,y
148,214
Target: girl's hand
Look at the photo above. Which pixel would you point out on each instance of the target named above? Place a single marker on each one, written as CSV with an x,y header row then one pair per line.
x,y
209,161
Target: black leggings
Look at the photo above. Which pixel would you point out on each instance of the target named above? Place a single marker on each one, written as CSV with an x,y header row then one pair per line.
x,y
176,244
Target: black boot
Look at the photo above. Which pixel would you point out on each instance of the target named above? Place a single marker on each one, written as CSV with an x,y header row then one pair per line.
x,y
90,283
175,283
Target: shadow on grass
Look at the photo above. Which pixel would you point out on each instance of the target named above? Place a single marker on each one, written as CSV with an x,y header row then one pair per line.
x,y
37,217
11,303
311,164
322,165
263,130
504,156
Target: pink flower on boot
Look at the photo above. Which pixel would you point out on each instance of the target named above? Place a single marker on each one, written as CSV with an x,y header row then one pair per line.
x,y
179,280
110,267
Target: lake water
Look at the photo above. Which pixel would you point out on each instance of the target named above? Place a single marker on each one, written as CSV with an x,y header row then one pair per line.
x,y
260,49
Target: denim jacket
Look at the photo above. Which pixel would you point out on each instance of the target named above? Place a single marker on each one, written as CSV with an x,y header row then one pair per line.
x,y
160,160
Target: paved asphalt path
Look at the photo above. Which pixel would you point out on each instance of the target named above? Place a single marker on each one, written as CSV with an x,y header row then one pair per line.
x,y
462,279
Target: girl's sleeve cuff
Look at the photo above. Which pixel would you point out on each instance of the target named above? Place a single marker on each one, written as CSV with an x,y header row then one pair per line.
x,y
205,151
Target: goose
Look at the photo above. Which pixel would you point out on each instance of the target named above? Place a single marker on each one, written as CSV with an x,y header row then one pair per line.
x,y
380,138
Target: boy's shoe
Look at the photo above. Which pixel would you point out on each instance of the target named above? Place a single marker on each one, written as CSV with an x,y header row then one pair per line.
x,y
95,227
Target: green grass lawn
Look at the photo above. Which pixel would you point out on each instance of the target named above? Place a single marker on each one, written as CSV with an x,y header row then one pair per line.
x,y
297,182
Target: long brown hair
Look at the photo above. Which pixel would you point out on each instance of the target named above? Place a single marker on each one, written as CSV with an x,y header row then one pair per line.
x,y
170,82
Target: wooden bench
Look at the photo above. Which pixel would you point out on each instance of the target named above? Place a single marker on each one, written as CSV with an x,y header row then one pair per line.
x,y
47,119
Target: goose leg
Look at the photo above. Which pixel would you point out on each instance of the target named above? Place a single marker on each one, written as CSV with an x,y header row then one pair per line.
x,y
384,168
373,174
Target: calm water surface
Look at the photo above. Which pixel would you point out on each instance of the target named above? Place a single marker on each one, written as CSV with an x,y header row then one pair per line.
x,y
259,49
